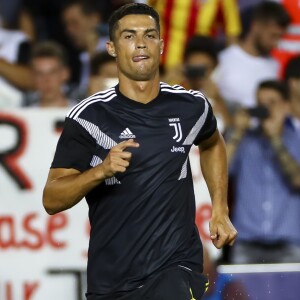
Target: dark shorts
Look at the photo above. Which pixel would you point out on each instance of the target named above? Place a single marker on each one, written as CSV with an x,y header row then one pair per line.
x,y
172,284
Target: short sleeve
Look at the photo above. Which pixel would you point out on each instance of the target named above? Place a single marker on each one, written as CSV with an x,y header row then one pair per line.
x,y
208,128
75,147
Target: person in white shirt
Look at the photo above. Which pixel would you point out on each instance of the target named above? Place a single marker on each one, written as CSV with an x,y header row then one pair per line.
x,y
14,71
242,67
292,78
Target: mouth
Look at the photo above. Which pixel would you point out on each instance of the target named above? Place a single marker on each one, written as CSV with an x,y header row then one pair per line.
x,y
139,58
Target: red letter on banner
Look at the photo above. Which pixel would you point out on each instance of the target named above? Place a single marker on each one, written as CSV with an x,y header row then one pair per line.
x,y
9,157
7,222
34,232
29,289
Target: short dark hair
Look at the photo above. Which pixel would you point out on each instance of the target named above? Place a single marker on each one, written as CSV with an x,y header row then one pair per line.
x,y
49,49
278,86
131,9
292,69
98,60
87,6
271,11
203,44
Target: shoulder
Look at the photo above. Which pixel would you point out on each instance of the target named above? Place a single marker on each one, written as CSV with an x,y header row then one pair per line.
x,y
12,36
229,52
181,91
87,105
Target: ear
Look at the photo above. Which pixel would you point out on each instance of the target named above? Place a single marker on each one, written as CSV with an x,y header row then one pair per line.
x,y
110,47
66,74
161,46
292,83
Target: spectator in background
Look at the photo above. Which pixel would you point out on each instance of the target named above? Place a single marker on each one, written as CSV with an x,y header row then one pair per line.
x,y
181,19
265,166
10,12
82,22
200,60
14,71
242,67
104,72
292,78
42,21
50,74
289,45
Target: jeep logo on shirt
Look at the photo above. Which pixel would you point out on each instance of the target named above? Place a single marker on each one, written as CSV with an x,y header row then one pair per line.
x,y
178,149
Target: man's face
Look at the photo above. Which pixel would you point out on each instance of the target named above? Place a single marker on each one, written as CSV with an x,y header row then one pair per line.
x,y
294,86
272,100
79,25
205,64
267,36
108,70
49,74
137,47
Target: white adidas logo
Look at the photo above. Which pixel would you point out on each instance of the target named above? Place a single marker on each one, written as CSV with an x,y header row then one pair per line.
x,y
127,134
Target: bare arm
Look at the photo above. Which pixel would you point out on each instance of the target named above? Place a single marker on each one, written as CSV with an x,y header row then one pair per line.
x,y
289,165
241,124
214,168
66,187
273,128
18,75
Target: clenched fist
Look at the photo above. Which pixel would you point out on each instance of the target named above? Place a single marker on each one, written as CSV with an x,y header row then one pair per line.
x,y
118,160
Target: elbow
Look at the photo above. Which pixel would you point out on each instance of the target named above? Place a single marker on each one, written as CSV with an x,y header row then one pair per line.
x,y
49,210
48,205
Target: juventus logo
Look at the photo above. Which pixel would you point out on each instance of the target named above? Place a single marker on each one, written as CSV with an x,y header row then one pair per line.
x,y
177,127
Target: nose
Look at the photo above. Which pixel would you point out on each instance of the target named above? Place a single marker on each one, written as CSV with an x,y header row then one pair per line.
x,y
140,43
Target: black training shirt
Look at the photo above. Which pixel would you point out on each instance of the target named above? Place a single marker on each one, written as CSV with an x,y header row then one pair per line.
x,y
143,220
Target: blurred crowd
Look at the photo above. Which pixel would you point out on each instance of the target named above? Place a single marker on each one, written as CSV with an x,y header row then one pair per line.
x,y
244,55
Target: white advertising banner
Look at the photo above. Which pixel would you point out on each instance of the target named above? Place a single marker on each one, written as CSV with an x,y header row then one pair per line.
x,y
41,256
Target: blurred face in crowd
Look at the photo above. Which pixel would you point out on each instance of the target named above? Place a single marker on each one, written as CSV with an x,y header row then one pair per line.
x,y
49,75
137,47
272,100
294,87
108,70
79,25
198,68
266,36
106,77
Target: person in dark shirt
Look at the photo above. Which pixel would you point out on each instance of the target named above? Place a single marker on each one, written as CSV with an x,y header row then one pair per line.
x,y
126,151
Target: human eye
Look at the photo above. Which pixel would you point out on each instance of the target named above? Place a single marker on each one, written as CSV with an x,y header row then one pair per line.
x,y
150,36
128,36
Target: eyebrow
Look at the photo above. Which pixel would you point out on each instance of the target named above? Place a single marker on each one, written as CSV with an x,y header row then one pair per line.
x,y
134,31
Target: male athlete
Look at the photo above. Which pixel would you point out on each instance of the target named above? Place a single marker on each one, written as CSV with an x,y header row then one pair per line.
x,y
126,151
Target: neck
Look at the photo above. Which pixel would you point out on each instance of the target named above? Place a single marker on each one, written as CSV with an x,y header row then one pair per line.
x,y
140,91
295,106
248,46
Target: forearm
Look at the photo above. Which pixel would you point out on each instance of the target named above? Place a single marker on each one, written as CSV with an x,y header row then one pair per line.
x,y
214,168
64,192
17,75
289,165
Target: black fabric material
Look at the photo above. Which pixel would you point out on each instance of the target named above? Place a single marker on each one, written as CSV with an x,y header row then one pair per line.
x,y
142,221
24,53
78,145
208,128
171,284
